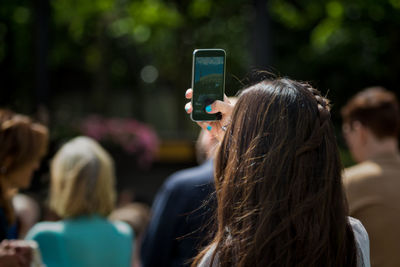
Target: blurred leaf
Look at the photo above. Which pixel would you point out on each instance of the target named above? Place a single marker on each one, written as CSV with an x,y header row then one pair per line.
x,y
142,33
155,12
121,26
286,13
322,32
200,8
334,9
93,58
395,3
21,15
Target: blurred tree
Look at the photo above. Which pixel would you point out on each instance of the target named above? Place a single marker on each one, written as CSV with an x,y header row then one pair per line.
x,y
341,45
140,49
133,57
16,63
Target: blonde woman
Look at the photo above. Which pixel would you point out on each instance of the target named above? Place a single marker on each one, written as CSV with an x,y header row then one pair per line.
x,y
83,195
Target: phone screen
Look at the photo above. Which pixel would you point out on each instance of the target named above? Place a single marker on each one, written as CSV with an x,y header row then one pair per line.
x,y
208,82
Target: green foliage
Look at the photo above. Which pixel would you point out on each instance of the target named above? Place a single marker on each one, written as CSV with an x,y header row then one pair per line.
x,y
159,32
100,50
341,46
100,47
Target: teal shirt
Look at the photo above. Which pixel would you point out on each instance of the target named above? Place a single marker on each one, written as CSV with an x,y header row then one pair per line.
x,y
83,242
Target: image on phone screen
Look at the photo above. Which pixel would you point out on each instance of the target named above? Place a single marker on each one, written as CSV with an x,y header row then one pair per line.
x,y
208,84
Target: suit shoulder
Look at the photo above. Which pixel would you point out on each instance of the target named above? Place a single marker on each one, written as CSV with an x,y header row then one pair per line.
x,y
361,172
188,178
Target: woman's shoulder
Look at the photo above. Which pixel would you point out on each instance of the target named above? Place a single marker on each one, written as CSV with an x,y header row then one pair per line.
x,y
362,241
360,233
44,229
122,228
208,257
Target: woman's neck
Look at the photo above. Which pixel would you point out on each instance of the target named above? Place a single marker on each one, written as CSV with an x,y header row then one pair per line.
x,y
7,190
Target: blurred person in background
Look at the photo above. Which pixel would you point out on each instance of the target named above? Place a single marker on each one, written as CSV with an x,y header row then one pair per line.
x,y
137,215
180,213
27,211
22,145
82,193
17,253
371,124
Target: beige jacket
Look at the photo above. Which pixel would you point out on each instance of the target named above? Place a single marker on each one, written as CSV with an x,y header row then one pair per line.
x,y
373,192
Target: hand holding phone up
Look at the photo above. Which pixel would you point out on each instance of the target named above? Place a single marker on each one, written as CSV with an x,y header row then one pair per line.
x,y
208,82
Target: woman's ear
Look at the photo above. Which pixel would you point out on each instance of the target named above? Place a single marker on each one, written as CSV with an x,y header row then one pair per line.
x,y
5,165
361,132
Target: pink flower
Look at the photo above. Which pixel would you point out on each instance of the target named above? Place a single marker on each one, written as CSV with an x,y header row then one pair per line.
x,y
132,136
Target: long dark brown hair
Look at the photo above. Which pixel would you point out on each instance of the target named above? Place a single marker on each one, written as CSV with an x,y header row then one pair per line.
x,y
278,182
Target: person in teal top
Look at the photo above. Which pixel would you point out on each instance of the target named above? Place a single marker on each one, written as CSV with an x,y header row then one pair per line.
x,y
82,193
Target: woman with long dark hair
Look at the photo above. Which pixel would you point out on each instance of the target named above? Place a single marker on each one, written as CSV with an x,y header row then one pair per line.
x,y
23,143
278,183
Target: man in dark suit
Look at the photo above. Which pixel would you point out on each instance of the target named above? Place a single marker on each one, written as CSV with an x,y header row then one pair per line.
x,y
182,213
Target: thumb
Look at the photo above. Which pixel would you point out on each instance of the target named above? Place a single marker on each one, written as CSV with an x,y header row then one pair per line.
x,y
219,106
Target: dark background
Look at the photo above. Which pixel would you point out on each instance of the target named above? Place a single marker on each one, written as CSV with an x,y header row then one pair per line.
x,y
63,60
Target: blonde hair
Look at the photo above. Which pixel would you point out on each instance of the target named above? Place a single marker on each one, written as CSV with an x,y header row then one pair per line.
x,y
82,179
21,141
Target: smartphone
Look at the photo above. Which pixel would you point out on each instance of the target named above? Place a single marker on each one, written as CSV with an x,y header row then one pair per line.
x,y
208,82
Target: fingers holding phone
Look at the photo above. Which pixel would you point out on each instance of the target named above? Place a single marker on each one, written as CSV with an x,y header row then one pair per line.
x,y
224,107
209,107
189,93
217,128
208,83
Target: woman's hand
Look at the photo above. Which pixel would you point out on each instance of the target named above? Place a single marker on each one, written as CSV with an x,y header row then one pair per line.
x,y
15,253
216,128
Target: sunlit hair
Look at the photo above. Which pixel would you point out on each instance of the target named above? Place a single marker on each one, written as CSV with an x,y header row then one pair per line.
x,y
20,139
278,182
82,179
21,142
375,108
